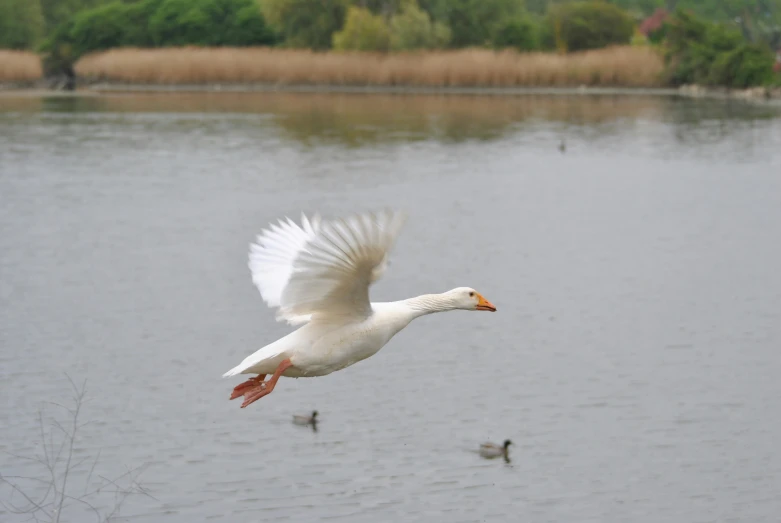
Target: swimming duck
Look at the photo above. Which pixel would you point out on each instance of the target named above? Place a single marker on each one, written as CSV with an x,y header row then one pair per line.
x,y
490,450
305,420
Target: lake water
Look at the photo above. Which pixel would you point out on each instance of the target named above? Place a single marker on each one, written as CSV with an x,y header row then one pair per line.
x,y
634,359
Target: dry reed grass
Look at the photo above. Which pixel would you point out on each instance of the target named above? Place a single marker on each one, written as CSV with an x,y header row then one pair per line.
x,y
19,66
612,67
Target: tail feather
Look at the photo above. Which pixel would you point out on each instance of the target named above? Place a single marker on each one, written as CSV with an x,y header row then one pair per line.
x,y
235,370
269,356
270,353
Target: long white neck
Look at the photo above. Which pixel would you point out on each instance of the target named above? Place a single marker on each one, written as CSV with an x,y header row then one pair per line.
x,y
429,303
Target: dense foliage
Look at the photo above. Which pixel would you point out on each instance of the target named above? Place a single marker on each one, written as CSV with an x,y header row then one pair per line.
x,y
305,23
518,32
410,28
710,53
413,28
159,23
363,31
21,23
155,23
473,22
591,25
56,12
208,23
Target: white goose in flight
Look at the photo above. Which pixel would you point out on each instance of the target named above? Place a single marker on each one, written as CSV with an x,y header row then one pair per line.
x,y
318,274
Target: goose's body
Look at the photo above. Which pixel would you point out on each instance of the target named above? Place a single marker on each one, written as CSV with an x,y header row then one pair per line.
x,y
318,274
491,450
322,347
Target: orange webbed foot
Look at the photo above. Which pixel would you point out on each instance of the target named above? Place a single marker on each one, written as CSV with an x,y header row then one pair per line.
x,y
255,388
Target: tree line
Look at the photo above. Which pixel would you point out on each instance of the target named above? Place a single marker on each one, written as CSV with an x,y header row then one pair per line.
x,y
746,30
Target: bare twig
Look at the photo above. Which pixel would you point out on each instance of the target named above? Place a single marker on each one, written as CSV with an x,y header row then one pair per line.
x,y
91,470
35,504
59,461
78,396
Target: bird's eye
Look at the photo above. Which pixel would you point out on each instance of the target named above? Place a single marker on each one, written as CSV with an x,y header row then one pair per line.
x,y
471,294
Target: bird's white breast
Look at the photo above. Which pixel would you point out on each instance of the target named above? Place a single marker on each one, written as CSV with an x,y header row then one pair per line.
x,y
346,345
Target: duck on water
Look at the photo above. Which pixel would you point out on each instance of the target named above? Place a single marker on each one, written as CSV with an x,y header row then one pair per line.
x,y
491,450
305,420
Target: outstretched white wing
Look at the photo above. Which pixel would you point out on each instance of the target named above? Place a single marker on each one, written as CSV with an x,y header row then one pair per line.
x,y
323,268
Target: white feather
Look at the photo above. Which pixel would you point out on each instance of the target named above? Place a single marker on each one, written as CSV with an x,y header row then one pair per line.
x,y
322,268
271,259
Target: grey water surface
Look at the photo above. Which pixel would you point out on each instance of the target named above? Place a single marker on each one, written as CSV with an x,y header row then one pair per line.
x,y
634,359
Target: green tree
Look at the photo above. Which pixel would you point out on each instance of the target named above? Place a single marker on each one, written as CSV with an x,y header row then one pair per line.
x,y
362,31
21,23
709,53
386,8
249,28
745,66
179,22
305,23
208,23
592,25
56,12
136,22
103,27
413,28
519,33
157,23
473,22
639,8
757,19
537,7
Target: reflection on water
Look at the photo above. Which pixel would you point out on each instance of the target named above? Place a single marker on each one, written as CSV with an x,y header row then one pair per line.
x,y
357,119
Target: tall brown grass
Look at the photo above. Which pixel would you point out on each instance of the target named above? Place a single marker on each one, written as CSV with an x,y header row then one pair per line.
x,y
19,66
612,67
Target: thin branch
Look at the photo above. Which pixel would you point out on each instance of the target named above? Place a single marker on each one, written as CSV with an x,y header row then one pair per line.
x,y
70,448
80,462
35,504
89,505
63,407
13,509
47,482
91,470
37,460
62,429
25,478
60,461
114,482
43,437
141,490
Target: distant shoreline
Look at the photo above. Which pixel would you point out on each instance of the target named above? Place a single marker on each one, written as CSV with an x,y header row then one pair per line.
x,y
379,89
754,94
612,71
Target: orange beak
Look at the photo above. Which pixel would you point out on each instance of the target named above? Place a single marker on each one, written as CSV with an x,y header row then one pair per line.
x,y
485,305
